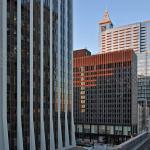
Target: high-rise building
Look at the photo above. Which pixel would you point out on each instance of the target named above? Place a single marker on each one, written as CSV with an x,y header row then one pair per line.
x,y
36,109
105,95
143,115
143,70
135,36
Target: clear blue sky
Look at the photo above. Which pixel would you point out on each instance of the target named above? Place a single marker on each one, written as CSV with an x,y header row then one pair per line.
x,y
87,14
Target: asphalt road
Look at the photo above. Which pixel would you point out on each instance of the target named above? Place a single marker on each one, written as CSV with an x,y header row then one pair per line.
x,y
146,145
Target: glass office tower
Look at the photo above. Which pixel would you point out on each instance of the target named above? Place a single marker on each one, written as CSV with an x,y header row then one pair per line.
x,y
143,70
143,89
36,109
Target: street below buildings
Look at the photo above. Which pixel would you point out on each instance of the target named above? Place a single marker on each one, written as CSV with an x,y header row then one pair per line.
x,y
146,145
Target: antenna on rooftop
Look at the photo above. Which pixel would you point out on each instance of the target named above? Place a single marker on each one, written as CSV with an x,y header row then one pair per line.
x,y
106,5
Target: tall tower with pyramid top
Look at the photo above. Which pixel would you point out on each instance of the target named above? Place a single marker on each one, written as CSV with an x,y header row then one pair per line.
x,y
104,25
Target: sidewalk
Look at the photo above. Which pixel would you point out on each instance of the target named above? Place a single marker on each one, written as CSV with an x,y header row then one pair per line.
x,y
77,148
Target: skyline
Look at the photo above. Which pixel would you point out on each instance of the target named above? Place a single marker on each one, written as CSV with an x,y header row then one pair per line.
x,y
95,97
86,31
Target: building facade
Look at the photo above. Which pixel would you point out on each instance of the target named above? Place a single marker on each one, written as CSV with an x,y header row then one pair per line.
x,y
36,108
143,89
135,36
105,95
143,71
143,115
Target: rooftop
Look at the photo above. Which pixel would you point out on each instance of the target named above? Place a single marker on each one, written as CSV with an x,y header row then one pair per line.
x,y
106,18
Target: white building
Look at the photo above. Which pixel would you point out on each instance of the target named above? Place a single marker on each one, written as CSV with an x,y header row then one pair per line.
x,y
134,36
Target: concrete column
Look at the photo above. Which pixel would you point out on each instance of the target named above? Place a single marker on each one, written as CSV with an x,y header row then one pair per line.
x,y
19,122
42,131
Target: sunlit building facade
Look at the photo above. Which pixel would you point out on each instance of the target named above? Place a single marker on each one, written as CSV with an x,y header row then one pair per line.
x,y
105,95
36,109
135,36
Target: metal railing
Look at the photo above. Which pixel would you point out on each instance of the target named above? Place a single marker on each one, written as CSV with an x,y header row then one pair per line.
x,y
133,142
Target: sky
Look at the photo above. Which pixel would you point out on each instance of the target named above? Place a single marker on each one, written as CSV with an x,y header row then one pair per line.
x,y
87,14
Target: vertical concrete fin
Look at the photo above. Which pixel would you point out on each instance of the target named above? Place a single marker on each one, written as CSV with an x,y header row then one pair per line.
x,y
43,144
4,143
52,142
32,135
59,78
66,76
19,122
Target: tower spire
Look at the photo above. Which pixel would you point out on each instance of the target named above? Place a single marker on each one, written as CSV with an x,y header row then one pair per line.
x,y
106,18
106,22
